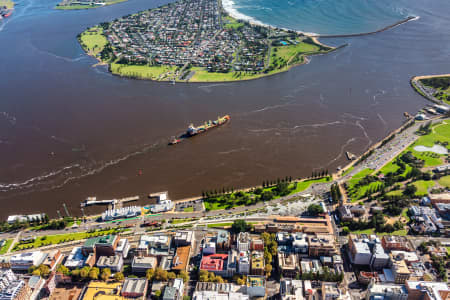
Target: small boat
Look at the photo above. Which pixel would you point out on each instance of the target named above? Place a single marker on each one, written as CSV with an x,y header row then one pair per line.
x,y
174,141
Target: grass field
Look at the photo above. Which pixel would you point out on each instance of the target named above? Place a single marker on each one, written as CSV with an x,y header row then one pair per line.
x,y
202,75
93,41
231,23
441,84
287,52
423,186
179,221
7,3
141,72
77,6
369,231
220,225
188,209
395,193
440,133
301,186
358,176
60,238
6,246
445,181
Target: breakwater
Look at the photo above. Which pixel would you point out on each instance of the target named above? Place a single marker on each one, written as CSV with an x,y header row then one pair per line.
x,y
410,18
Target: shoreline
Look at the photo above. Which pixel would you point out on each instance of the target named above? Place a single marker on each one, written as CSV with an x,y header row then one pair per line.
x,y
420,89
227,6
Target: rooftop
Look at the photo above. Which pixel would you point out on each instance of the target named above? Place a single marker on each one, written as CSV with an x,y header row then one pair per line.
x,y
134,285
214,262
256,281
100,241
181,258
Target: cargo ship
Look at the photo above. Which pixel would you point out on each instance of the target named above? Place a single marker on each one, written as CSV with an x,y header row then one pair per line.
x,y
193,130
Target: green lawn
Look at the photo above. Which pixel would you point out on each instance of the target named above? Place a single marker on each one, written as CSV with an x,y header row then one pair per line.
x,y
395,193
440,133
441,84
179,221
188,209
287,52
356,193
93,41
60,238
6,246
392,167
303,185
7,3
142,72
358,176
445,181
227,204
202,75
78,6
423,186
231,23
369,231
348,171
219,225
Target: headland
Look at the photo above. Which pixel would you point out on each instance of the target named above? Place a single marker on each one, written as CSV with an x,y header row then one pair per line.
x,y
435,88
81,4
196,41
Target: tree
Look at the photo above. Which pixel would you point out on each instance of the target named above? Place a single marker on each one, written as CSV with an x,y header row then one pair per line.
x,y
239,226
106,273
183,275
171,275
84,272
268,269
161,275
63,269
93,273
119,276
203,276
315,209
150,274
410,190
345,230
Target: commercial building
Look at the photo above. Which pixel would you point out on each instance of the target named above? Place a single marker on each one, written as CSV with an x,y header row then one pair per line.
x,y
141,264
257,263
380,259
26,218
256,286
395,242
321,245
99,290
288,264
35,284
299,243
223,241
243,241
170,293
426,290
135,288
76,259
399,269
386,291
100,246
23,261
157,245
181,258
114,263
359,250
183,238
256,244
330,291
123,247
216,263
243,263
219,291
122,212
291,289
52,259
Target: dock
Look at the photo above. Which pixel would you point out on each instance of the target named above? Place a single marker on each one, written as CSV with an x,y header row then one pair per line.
x,y
115,203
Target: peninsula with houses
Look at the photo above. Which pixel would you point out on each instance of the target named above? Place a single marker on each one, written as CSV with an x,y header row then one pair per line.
x,y
195,41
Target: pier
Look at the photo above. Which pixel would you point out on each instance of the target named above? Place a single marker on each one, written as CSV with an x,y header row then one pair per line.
x,y
115,203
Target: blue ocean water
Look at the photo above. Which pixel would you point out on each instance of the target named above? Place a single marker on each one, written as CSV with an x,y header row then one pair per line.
x,y
321,16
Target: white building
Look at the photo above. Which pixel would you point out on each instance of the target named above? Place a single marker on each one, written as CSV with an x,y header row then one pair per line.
x,y
386,291
380,259
244,263
123,247
26,218
243,241
299,243
23,261
362,254
75,259
123,212
209,248
291,289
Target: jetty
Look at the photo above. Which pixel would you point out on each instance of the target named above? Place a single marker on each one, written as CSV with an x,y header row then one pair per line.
x,y
115,203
